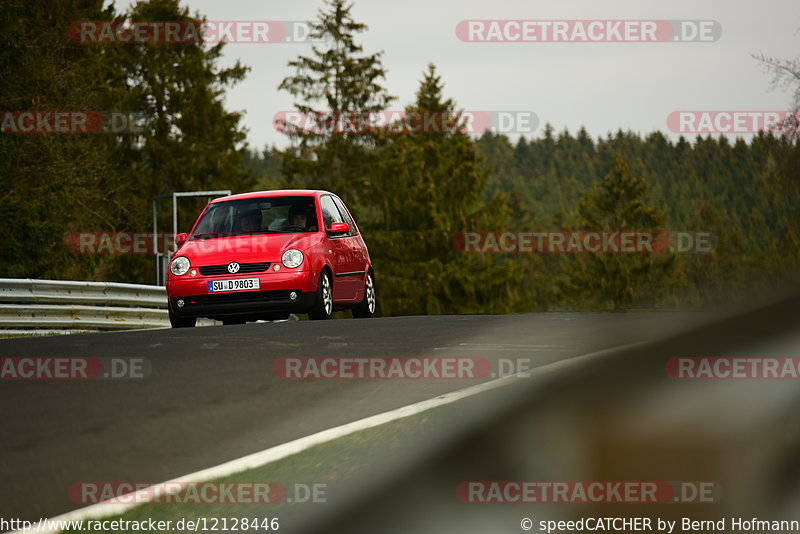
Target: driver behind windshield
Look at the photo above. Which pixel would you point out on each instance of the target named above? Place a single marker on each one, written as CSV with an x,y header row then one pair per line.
x,y
298,218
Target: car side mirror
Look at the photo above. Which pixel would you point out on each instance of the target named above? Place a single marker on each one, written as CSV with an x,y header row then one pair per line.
x,y
339,228
181,238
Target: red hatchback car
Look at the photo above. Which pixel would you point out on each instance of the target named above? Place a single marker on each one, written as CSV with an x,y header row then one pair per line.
x,y
267,254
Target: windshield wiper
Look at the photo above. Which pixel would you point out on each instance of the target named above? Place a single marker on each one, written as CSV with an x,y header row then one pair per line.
x,y
259,232
210,235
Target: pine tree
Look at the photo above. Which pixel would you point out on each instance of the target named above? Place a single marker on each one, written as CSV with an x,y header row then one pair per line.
x,y
52,184
189,140
58,184
620,280
346,83
428,187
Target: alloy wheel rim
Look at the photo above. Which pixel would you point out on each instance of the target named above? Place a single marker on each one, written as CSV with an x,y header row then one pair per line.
x,y
370,295
326,295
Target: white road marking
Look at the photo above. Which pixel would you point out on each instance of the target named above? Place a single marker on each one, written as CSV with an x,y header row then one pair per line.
x,y
261,458
521,345
500,348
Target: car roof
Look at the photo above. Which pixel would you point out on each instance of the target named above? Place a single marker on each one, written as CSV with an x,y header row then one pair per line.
x,y
273,193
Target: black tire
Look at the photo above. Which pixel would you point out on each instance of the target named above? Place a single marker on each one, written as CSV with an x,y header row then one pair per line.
x,y
227,322
369,306
181,322
323,303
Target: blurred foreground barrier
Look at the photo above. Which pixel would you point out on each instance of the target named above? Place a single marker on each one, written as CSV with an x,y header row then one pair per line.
x,y
724,454
64,305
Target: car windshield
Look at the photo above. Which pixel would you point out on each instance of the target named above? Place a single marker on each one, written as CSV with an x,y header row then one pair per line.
x,y
265,215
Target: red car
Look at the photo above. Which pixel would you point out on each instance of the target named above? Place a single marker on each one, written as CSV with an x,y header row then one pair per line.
x,y
267,254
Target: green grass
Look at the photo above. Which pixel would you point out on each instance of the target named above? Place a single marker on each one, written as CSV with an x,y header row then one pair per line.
x,y
335,464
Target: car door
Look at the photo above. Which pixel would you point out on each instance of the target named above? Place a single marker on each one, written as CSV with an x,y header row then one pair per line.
x,y
357,249
343,286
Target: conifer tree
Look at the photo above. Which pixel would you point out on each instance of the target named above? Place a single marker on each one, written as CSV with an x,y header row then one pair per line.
x,y
619,280
337,82
428,187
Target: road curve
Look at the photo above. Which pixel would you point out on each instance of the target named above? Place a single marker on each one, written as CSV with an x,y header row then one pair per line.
x,y
212,395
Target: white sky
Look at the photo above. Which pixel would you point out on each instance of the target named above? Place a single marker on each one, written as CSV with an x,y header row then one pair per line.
x,y
602,86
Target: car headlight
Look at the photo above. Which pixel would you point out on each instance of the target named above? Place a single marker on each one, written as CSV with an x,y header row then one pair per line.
x,y
179,265
292,258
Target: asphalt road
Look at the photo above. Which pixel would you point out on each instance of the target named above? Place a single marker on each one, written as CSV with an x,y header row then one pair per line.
x,y
212,396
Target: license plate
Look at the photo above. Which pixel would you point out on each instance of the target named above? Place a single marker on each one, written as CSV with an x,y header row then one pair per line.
x,y
236,284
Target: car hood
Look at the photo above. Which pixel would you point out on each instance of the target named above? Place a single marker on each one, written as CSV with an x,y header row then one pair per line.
x,y
245,248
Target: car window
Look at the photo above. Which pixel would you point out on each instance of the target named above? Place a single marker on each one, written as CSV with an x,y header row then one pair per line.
x,y
330,213
256,215
345,216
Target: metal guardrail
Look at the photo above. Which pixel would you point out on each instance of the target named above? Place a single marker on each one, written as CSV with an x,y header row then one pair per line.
x,y
62,304
616,417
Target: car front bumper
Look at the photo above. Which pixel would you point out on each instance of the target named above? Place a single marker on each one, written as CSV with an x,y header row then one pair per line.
x,y
274,296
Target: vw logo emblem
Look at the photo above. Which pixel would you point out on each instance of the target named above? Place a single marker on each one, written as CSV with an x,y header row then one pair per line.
x,y
233,267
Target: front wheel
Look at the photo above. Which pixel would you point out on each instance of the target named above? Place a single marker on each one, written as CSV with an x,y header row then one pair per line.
x,y
367,307
181,322
323,304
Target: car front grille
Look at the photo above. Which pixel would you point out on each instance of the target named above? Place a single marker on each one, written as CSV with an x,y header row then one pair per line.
x,y
242,297
211,270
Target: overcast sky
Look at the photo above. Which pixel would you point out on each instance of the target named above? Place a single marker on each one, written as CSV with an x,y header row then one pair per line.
x,y
602,86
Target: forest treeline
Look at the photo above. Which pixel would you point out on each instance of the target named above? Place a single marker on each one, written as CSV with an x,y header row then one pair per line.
x,y
411,192
743,193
